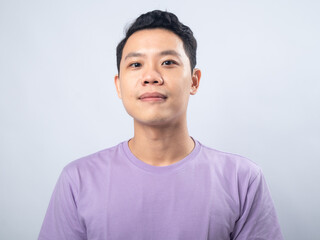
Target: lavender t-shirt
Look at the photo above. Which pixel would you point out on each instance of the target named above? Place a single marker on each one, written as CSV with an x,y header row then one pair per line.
x,y
112,195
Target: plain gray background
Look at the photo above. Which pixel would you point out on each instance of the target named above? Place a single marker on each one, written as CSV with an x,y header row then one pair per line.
x,y
259,96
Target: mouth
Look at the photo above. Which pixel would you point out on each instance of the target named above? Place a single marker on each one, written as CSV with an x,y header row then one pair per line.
x,y
153,97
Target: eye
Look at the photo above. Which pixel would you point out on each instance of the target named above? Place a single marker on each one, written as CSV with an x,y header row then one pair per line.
x,y
169,62
135,65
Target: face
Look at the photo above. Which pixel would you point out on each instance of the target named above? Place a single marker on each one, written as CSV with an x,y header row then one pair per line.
x,y
155,79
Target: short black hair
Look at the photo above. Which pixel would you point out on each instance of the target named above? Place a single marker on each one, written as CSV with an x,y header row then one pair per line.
x,y
165,20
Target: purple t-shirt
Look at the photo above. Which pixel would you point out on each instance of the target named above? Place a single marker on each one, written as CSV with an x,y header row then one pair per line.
x,y
209,194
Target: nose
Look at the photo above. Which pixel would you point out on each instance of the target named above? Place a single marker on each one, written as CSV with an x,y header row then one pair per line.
x,y
152,76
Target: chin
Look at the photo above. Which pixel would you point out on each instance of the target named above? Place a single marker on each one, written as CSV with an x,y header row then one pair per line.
x,y
157,121
154,121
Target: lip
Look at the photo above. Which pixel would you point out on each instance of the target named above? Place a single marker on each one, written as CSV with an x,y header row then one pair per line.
x,y
152,97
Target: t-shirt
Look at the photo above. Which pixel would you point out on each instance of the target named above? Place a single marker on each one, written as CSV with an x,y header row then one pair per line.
x,y
112,195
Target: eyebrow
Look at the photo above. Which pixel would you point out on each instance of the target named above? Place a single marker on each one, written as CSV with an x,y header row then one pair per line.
x,y
134,54
163,53
170,52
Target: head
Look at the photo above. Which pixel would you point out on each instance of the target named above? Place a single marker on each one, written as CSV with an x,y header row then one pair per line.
x,y
163,20
155,60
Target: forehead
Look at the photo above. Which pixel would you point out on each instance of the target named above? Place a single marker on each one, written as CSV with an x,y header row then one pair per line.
x,y
153,40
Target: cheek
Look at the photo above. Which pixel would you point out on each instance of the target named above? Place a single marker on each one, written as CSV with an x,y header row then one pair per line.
x,y
183,85
126,96
127,88
127,99
126,93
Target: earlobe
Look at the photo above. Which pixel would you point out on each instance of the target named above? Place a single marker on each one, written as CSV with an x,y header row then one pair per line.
x,y
117,84
196,75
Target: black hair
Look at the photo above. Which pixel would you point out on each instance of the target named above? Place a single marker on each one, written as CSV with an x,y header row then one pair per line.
x,y
164,20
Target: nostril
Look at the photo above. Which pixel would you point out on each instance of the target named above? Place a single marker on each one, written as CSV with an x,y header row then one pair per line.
x,y
153,81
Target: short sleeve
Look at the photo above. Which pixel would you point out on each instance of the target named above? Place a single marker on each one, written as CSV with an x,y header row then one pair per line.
x,y
258,218
61,220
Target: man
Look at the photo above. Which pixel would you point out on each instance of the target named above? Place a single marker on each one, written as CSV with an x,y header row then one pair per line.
x,y
161,184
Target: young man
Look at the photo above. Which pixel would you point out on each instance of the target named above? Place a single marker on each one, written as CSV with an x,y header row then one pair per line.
x,y
161,184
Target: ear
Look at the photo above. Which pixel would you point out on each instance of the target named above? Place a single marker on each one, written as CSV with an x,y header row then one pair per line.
x,y
117,84
196,75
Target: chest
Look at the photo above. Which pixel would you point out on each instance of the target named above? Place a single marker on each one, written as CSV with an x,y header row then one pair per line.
x,y
188,205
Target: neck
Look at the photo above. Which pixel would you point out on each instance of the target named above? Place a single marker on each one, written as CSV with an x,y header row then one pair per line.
x,y
159,145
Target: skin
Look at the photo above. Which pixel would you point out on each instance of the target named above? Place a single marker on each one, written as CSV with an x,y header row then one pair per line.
x,y
154,60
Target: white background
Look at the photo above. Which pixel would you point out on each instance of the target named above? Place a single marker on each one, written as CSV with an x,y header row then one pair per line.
x,y
259,96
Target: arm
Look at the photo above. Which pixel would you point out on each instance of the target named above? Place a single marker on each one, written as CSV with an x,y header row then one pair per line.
x,y
258,218
62,220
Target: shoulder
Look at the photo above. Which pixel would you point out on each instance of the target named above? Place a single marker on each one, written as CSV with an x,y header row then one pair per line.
x,y
230,165
94,163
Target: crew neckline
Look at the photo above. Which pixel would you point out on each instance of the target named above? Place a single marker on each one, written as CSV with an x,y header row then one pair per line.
x,y
159,169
